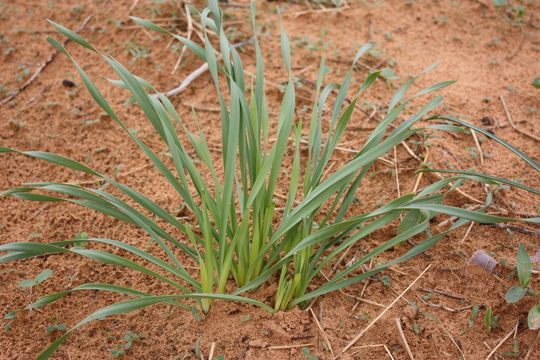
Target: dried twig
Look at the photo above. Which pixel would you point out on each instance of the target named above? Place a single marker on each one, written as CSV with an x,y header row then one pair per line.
x,y
43,66
198,72
511,121
212,349
419,176
467,232
357,337
444,293
404,339
520,45
189,32
135,2
282,347
397,172
532,346
323,333
514,228
502,341
358,348
477,143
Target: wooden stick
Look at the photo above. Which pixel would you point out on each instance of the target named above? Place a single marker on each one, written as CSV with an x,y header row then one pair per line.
x,y
43,66
509,117
477,143
404,339
212,349
135,2
357,337
282,347
502,341
323,333
189,32
397,172
198,72
531,348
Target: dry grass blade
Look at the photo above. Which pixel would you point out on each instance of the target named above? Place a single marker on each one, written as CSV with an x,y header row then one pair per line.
x,y
358,348
511,121
477,143
283,347
404,339
502,341
43,66
189,33
357,337
323,333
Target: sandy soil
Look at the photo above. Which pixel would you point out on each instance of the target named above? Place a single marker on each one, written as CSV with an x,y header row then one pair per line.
x,y
491,55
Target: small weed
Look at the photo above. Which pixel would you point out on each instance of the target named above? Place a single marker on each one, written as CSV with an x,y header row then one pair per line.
x,y
121,349
58,327
22,73
386,280
17,124
136,51
490,320
474,315
9,51
516,293
42,276
307,354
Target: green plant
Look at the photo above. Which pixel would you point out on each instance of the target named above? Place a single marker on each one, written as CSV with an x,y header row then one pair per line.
x,y
57,327
307,354
41,277
513,14
536,82
516,293
243,235
490,320
121,349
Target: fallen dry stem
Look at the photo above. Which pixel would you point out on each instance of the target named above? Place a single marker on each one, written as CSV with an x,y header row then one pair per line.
x,y
358,348
43,66
511,121
404,339
357,337
323,333
282,347
532,346
502,341
477,143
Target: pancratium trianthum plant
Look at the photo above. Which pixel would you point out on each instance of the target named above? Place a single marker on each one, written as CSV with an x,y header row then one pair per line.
x,y
240,231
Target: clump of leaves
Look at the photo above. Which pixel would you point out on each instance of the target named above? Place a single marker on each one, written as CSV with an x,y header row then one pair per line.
x,y
516,293
242,234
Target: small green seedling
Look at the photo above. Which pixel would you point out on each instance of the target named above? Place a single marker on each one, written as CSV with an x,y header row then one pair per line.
x,y
44,275
490,320
536,83
307,354
58,327
516,293
120,350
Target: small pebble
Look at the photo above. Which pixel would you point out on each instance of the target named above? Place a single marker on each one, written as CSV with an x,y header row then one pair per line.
x,y
68,83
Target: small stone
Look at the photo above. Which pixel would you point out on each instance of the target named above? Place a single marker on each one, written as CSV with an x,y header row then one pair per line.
x,y
259,343
68,83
